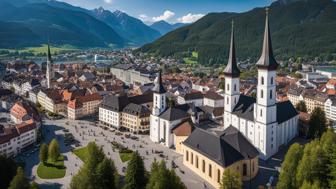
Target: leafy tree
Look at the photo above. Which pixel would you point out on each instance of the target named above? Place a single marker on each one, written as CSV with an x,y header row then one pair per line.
x,y
332,168
287,179
301,106
53,151
98,172
34,185
19,181
135,177
308,185
8,169
162,178
312,165
231,180
106,175
43,153
154,175
317,123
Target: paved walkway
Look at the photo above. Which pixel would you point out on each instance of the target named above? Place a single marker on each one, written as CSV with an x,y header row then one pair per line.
x,y
85,132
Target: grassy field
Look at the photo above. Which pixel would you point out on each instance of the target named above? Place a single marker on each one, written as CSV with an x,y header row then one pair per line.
x,y
43,49
125,156
81,153
52,170
193,60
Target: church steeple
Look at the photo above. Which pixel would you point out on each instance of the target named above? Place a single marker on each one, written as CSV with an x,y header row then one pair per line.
x,y
231,69
159,88
49,73
266,60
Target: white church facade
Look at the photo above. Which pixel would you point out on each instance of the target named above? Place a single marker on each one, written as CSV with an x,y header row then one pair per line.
x,y
266,123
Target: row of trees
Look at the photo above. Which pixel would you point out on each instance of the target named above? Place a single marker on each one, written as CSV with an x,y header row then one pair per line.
x,y
310,166
99,172
50,153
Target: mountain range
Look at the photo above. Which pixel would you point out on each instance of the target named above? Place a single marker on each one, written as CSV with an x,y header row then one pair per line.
x,y
164,27
303,28
25,23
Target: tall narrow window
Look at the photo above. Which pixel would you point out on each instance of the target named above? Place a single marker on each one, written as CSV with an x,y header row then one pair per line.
x,y
203,166
244,169
271,80
262,80
235,87
196,161
260,113
228,87
187,155
271,94
210,170
261,94
192,158
227,100
218,175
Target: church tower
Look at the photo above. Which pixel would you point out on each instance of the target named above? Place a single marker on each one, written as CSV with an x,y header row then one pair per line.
x,y
49,72
265,108
159,105
232,83
159,97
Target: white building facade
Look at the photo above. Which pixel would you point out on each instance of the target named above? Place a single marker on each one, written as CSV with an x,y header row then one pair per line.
x,y
265,123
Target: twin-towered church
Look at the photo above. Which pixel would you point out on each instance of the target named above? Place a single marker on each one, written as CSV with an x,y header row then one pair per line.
x,y
264,122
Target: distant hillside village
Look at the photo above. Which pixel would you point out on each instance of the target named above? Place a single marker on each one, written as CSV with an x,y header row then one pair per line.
x,y
214,123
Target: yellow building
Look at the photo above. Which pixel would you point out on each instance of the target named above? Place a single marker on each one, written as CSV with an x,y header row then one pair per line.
x,y
311,97
135,118
209,154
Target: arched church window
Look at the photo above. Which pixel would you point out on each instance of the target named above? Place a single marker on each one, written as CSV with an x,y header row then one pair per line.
x,y
262,80
210,171
228,87
261,94
235,87
260,113
271,80
271,94
227,100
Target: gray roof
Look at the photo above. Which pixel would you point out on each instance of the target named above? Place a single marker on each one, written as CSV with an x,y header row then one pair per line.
x,y
137,110
244,107
159,88
285,111
172,114
225,148
193,96
115,103
213,95
231,68
267,60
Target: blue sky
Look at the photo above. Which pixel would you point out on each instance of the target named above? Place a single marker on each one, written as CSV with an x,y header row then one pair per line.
x,y
171,10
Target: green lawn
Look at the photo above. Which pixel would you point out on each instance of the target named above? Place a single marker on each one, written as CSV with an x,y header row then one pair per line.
x,y
125,156
52,170
81,153
42,49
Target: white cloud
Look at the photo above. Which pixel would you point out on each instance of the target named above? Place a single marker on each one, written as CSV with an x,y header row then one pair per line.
x,y
108,1
165,16
145,18
190,18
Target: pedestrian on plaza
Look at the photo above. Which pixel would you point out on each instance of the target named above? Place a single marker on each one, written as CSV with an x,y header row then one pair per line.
x,y
205,186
